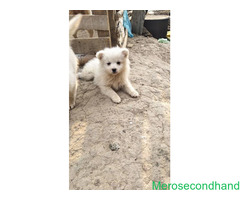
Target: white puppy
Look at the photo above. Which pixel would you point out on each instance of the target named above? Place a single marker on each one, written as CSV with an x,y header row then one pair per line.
x,y
110,71
73,63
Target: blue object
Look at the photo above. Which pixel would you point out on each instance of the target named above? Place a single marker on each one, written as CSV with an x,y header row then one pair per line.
x,y
127,23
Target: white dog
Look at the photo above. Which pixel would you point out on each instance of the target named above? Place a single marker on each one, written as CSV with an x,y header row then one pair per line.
x,y
73,62
110,71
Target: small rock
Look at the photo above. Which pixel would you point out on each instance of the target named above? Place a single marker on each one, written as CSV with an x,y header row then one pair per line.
x,y
129,45
114,146
146,167
97,182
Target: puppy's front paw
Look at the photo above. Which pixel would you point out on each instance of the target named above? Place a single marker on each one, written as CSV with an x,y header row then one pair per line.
x,y
116,99
134,94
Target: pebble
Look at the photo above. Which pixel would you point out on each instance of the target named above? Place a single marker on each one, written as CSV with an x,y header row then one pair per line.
x,y
97,182
129,45
114,146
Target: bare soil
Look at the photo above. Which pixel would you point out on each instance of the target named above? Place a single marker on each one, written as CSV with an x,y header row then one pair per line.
x,y
126,145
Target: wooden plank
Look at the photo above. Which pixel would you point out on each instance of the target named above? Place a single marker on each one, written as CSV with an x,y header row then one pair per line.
x,y
138,21
99,12
89,46
112,24
84,59
109,31
103,33
93,22
85,12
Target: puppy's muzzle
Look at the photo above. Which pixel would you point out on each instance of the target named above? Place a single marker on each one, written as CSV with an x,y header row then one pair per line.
x,y
114,70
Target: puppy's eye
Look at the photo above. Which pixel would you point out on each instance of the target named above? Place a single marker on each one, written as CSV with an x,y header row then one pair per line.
x,y
108,63
118,63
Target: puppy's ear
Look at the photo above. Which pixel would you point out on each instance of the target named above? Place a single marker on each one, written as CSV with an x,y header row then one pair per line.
x,y
99,55
125,52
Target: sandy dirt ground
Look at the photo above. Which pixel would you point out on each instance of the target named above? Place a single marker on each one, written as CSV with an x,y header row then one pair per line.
x,y
126,145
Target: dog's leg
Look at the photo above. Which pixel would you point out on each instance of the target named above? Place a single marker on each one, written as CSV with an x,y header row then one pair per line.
x,y
110,93
129,89
72,97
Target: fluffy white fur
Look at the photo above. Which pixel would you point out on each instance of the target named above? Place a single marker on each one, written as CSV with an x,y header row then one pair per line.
x,y
73,63
110,71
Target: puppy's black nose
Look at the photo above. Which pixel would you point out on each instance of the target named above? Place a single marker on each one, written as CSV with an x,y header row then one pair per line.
x,y
114,70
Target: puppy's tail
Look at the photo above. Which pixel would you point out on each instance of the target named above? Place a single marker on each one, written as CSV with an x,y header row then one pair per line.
x,y
74,24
